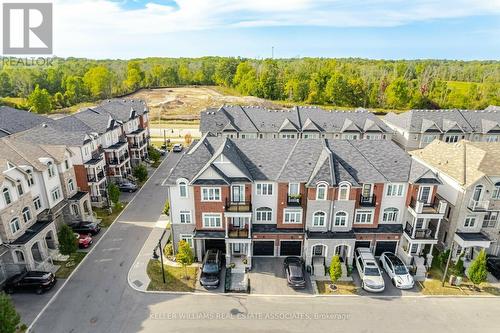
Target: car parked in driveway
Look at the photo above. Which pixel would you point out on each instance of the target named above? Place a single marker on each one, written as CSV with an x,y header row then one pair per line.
x,y
86,228
294,271
211,269
127,186
32,281
369,272
493,265
397,271
84,240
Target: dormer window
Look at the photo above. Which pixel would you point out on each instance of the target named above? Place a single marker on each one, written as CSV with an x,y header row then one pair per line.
x,y
321,192
344,191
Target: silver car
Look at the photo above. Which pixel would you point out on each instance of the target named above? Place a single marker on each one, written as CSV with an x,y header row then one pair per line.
x,y
397,271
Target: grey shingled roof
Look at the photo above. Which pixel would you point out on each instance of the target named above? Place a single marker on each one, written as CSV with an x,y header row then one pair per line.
x,y
121,109
97,121
54,134
14,121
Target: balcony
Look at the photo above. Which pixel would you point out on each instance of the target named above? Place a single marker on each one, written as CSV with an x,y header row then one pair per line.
x,y
369,201
238,233
119,160
137,144
294,200
478,205
437,206
420,233
238,206
95,178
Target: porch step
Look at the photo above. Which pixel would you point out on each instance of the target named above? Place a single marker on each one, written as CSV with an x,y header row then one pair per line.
x,y
238,270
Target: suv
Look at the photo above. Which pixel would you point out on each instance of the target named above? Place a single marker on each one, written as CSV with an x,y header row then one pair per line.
x,y
294,270
36,281
86,228
177,148
371,278
211,269
397,271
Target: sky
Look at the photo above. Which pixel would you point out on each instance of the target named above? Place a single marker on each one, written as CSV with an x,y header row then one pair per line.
x,y
376,29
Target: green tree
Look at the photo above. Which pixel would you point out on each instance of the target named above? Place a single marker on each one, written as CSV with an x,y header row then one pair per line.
x,y
245,79
184,256
39,100
225,71
135,76
5,84
398,93
59,100
68,243
458,267
335,269
154,154
114,193
477,272
75,91
140,172
98,81
9,318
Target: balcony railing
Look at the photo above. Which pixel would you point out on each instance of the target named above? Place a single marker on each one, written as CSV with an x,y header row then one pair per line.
x,y
478,206
437,206
238,233
119,160
95,178
420,233
294,200
238,206
137,145
369,201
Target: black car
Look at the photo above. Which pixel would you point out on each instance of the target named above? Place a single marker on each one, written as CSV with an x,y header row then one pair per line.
x,y
86,228
211,269
36,281
493,265
127,186
294,270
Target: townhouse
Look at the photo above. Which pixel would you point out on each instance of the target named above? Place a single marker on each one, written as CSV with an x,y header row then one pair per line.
x,y
14,121
312,198
298,122
470,174
38,193
415,129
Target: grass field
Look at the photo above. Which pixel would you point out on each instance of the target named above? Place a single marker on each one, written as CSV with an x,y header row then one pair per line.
x,y
175,277
343,288
69,266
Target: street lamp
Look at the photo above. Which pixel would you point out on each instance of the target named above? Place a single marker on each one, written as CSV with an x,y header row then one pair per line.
x,y
161,257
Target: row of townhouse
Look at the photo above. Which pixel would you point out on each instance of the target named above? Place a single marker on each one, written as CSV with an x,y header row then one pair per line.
x,y
415,129
38,192
106,141
298,122
311,198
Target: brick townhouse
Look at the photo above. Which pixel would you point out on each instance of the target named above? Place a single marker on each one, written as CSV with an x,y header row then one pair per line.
x,y
311,198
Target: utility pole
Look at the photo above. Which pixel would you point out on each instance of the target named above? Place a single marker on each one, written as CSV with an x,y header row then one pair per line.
x,y
272,52
165,138
447,264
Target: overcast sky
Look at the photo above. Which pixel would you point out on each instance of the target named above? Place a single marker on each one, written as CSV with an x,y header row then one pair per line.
x,y
391,29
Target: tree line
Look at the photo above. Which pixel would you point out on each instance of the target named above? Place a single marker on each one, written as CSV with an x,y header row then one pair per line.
x,y
398,84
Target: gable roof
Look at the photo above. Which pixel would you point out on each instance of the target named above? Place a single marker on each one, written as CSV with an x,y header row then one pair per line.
x,y
14,120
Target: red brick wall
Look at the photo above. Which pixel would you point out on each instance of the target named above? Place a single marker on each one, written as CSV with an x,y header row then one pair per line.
x,y
248,192
143,122
209,207
378,192
81,177
282,204
412,193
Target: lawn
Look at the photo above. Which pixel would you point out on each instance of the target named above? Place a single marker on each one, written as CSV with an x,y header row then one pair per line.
x,y
69,266
174,276
343,288
108,219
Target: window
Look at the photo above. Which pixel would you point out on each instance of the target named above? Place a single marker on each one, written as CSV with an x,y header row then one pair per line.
x,y
414,249
321,192
6,196
51,169
210,194
390,215
293,189
20,188
56,194
470,221
66,164
319,219
287,136
451,138
350,136
185,216
183,193
265,189
264,214
490,220
293,216
344,192
71,185
19,255
373,136
310,135
340,219
318,250
424,194
37,203
26,214
14,225
394,190
31,180
364,216
428,138
492,138
187,238
496,191
212,220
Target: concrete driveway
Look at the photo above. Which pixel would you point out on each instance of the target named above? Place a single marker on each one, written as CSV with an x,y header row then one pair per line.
x,y
389,290
200,289
268,277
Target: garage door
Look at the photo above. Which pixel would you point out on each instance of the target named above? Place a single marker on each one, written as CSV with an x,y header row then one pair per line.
x,y
215,244
362,244
263,248
385,246
290,248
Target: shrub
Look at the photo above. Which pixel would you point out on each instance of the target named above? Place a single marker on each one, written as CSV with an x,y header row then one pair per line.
x,y
114,193
140,172
477,271
184,255
68,243
335,269
169,249
188,138
9,318
458,268
166,209
153,154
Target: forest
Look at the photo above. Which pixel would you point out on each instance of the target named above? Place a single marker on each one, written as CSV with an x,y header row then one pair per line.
x,y
348,82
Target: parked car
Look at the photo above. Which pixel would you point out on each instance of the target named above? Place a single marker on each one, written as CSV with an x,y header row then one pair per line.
x,y
85,227
493,265
294,271
127,186
84,240
177,148
162,151
36,281
397,271
211,269
369,272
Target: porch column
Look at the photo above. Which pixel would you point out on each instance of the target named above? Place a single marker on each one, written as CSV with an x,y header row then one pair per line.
x,y
250,227
414,228
437,229
227,226
228,253
249,255
430,256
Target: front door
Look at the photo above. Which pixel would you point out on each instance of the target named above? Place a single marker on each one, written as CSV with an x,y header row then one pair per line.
x,y
238,193
237,248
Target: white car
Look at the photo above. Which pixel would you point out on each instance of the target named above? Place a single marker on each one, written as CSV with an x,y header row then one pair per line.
x,y
397,271
369,272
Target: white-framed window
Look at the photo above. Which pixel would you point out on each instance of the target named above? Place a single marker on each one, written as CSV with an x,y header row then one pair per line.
x,y
292,216
492,138
496,191
490,219
287,136
38,203
373,136
428,138
350,136
451,138
51,169
26,214
394,190
390,214
15,225
264,214
424,194
264,189
364,216
66,164
470,222
31,180
183,191
340,219
20,189
310,135
56,194
6,196
71,185
319,219
344,191
293,188
19,255
185,216
187,238
210,194
212,220
321,192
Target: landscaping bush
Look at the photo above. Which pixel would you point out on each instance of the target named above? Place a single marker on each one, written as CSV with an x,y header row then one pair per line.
x,y
188,138
9,318
335,269
169,249
140,172
184,255
442,258
458,268
477,271
153,154
114,193
166,209
68,243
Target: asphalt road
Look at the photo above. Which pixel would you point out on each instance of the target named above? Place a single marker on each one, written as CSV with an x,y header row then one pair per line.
x,y
98,299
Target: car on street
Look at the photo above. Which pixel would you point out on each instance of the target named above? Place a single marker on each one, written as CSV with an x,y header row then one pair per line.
x,y
294,271
177,148
85,227
127,186
84,240
30,281
493,265
369,272
211,269
397,271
